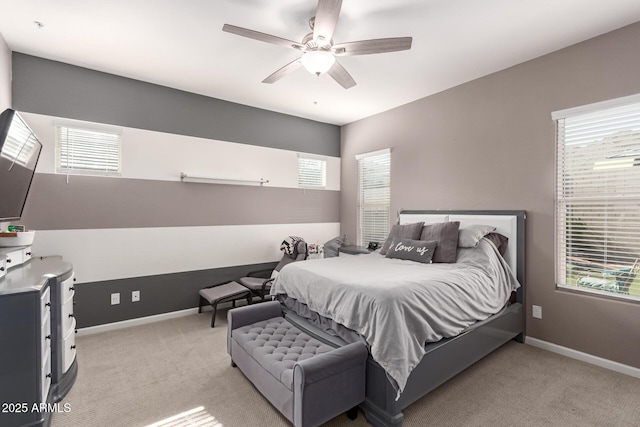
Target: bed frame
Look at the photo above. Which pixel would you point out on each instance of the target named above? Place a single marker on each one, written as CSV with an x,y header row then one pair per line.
x,y
448,357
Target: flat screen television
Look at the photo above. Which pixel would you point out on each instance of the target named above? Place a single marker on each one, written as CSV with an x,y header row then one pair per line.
x,y
19,153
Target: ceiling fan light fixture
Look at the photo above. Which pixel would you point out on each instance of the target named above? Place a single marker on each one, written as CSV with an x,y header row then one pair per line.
x,y
318,62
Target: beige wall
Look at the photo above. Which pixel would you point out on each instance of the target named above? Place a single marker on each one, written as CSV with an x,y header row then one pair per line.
x,y
490,144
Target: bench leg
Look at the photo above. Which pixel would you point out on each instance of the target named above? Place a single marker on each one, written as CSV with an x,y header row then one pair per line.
x,y
200,305
213,316
352,413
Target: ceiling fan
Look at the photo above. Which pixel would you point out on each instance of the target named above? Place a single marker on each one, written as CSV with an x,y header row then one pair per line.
x,y
318,50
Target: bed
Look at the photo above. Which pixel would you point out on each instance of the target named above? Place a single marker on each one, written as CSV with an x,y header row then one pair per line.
x,y
413,346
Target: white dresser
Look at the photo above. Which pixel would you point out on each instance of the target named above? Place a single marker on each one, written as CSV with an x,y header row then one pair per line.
x,y
37,362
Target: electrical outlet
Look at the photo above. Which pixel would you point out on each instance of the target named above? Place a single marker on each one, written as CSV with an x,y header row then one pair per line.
x,y
135,296
115,298
536,311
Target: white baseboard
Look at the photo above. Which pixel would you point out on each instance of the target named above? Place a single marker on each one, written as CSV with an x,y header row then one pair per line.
x,y
584,357
133,322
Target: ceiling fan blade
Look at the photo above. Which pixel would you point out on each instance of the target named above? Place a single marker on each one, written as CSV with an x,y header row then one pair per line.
x,y
287,69
256,35
341,76
326,19
368,47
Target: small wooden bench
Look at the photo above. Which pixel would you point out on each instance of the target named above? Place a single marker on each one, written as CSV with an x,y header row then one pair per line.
x,y
225,292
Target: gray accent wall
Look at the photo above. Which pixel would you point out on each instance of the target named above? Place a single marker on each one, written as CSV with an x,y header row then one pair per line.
x,y
70,212
87,202
158,294
57,89
490,144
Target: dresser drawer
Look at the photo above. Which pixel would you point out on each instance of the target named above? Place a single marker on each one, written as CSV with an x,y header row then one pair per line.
x,y
68,318
69,348
45,305
14,258
26,254
66,288
45,342
45,376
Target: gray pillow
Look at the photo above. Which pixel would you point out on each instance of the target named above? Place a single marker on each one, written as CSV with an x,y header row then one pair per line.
x,y
405,231
499,240
446,234
413,250
332,246
470,236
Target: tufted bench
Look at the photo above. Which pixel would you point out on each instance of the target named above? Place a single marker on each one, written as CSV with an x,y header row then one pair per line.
x,y
308,381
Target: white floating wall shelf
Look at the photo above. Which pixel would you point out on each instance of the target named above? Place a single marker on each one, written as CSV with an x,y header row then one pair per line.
x,y
210,180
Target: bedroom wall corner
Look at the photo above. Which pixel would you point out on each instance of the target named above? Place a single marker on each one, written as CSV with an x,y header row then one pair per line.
x,y
146,230
490,144
5,75
5,85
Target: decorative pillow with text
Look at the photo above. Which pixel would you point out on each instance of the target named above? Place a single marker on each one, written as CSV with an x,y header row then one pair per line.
x,y
412,250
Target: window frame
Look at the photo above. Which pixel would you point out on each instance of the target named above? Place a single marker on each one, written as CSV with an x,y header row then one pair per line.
x,y
113,132
565,236
380,235
309,157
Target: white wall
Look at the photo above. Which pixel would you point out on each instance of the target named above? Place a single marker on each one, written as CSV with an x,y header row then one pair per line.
x,y
118,253
5,85
5,75
163,156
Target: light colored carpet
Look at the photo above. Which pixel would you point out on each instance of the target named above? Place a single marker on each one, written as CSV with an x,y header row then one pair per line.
x,y
143,375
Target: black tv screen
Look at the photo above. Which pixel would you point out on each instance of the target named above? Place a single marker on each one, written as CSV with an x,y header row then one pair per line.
x,y
19,153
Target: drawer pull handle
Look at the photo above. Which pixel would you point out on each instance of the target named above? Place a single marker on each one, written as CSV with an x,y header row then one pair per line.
x,y
1,268
28,253
48,304
71,315
8,260
48,375
71,288
74,279
73,347
48,337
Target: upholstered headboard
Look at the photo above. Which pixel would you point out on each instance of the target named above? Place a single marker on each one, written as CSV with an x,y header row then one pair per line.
x,y
507,223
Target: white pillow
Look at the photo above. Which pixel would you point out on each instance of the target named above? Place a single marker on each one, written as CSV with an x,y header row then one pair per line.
x,y
469,237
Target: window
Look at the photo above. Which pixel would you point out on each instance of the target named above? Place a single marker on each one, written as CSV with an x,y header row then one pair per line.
x,y
374,196
88,151
312,172
598,198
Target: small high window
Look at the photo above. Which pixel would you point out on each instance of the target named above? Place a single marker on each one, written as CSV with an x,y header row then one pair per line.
x,y
312,172
88,151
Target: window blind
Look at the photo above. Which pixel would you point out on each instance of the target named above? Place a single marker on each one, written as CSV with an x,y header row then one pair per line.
x,y
87,151
598,201
374,196
312,172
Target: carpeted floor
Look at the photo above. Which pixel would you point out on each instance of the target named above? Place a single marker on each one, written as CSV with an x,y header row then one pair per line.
x,y
144,375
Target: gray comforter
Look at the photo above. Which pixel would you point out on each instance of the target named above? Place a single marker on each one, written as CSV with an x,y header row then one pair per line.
x,y
398,305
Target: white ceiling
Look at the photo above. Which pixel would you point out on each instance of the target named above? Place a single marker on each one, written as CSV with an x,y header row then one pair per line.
x,y
180,44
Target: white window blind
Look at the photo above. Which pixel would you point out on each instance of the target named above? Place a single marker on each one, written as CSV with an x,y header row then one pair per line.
x,y
374,196
312,172
598,201
87,151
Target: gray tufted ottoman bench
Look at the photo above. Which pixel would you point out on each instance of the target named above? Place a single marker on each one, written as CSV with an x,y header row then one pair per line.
x,y
308,381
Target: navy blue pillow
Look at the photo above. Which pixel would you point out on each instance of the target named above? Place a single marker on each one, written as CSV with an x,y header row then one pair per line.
x,y
413,250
